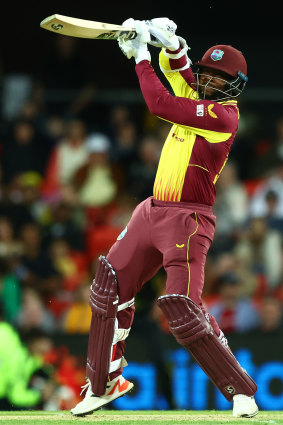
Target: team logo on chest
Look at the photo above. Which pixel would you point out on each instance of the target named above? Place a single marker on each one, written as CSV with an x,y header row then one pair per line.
x,y
216,55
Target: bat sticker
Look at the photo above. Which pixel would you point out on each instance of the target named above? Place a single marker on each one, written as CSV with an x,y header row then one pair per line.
x,y
113,35
128,34
57,27
108,35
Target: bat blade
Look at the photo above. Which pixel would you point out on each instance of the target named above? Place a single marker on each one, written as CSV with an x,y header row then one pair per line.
x,y
83,28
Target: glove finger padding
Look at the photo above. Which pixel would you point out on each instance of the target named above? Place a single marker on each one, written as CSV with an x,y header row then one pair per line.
x,y
136,47
130,23
124,44
126,47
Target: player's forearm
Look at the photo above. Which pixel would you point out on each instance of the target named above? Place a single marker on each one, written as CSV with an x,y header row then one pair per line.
x,y
155,94
179,110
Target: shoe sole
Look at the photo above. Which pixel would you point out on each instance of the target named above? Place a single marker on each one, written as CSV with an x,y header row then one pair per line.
x,y
250,416
247,416
106,402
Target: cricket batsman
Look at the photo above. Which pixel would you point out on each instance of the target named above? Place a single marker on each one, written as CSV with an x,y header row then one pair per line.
x,y
174,228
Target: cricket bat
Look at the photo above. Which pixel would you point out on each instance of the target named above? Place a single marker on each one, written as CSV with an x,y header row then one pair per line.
x,y
83,28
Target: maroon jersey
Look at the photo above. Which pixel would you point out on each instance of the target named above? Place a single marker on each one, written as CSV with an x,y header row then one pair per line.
x,y
201,136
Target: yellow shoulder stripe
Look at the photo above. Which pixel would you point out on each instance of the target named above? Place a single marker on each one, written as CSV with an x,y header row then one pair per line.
x,y
209,135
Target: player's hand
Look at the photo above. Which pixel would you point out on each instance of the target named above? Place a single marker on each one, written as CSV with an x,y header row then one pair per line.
x,y
136,47
163,29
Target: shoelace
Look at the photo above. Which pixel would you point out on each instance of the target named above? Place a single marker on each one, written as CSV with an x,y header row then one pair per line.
x,y
84,387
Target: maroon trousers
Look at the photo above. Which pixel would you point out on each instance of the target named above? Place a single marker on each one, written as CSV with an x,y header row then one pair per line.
x,y
174,235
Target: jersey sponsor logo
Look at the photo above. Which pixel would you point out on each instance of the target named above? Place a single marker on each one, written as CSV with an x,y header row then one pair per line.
x,y
122,234
200,110
210,112
216,55
179,139
180,246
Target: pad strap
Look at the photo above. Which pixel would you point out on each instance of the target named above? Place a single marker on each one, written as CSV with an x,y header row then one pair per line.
x,y
120,335
116,364
168,71
126,304
178,55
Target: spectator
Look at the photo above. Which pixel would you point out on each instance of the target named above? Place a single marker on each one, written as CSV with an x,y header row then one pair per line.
x,y
31,111
121,214
142,171
11,205
225,264
22,152
33,314
71,265
10,291
105,225
272,182
123,132
243,150
95,181
54,129
273,221
120,116
231,202
19,371
29,187
63,224
233,312
9,245
261,248
65,159
78,317
34,267
270,316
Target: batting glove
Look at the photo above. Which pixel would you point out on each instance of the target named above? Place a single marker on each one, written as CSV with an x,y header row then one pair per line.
x,y
163,29
137,47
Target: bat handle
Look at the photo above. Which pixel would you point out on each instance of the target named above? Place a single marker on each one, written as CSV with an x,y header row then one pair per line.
x,y
130,35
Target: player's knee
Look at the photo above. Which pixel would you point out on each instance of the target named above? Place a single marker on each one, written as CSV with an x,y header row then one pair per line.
x,y
104,288
186,320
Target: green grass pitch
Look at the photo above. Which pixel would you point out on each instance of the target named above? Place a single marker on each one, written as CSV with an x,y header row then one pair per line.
x,y
105,417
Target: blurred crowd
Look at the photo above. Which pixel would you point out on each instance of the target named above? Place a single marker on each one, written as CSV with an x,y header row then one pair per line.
x,y
71,173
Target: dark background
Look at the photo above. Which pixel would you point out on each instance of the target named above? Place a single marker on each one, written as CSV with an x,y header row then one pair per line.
x,y
254,28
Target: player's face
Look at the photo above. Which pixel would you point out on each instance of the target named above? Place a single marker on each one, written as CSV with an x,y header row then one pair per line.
x,y
210,80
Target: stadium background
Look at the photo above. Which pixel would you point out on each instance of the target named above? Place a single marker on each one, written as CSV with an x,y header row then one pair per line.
x,y
60,98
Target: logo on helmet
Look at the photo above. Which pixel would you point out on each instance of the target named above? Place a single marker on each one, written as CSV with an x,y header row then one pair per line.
x,y
216,55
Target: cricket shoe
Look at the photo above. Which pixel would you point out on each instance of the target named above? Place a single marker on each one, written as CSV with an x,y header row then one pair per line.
x,y
244,406
91,402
